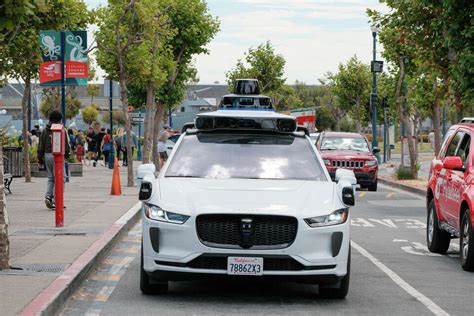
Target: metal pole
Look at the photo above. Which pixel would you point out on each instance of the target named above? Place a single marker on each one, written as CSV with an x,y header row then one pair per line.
x,y
29,109
63,77
139,153
112,151
373,98
170,118
385,132
444,120
110,107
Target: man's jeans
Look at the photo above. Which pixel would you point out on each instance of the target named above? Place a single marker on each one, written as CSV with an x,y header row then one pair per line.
x,y
49,164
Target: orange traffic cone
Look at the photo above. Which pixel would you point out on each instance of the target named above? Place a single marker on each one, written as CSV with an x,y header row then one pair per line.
x,y
116,190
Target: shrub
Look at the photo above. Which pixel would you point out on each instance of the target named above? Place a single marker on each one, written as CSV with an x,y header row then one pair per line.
x,y
404,173
72,158
33,153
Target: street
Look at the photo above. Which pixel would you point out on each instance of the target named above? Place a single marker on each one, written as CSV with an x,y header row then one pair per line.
x,y
392,273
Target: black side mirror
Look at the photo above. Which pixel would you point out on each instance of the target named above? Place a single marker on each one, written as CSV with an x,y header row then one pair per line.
x,y
376,150
348,196
145,191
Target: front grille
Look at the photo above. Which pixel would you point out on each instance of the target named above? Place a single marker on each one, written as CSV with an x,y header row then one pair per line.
x,y
347,164
225,231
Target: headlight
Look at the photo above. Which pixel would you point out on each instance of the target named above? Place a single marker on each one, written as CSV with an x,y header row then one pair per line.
x,y
157,214
335,218
327,161
371,163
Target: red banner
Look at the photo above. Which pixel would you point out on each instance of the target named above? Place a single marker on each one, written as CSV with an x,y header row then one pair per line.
x,y
75,69
50,71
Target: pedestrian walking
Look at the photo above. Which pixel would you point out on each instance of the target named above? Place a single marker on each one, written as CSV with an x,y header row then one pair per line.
x,y
45,156
79,146
98,141
91,147
118,142
162,139
107,147
34,138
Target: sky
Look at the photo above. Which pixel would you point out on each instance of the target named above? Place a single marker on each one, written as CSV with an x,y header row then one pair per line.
x,y
313,36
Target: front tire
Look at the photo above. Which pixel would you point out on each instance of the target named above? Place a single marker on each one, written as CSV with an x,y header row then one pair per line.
x,y
437,239
146,286
466,243
373,187
340,291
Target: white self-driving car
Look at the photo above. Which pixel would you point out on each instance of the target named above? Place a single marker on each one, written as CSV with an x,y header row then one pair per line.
x,y
245,194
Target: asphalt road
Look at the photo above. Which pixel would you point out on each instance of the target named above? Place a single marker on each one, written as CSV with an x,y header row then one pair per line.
x,y
392,274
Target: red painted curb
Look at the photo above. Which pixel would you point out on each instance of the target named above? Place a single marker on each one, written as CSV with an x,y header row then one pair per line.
x,y
61,284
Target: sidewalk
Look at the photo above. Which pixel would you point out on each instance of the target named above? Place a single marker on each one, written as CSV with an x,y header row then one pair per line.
x,y
44,251
388,170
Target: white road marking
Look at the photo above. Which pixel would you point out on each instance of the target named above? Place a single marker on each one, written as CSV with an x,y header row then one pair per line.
x,y
432,306
400,240
386,222
412,223
415,248
361,222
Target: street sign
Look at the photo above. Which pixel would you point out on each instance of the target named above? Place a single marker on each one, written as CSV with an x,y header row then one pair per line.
x,y
376,66
115,88
137,119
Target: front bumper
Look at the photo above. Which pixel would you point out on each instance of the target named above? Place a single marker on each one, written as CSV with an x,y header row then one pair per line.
x,y
365,177
171,252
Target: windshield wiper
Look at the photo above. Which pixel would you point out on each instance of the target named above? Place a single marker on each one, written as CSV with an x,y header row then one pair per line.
x,y
182,177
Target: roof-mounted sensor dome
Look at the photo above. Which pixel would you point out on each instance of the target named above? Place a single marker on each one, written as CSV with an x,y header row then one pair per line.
x,y
246,87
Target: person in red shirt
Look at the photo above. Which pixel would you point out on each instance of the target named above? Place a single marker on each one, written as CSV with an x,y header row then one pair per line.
x,y
107,146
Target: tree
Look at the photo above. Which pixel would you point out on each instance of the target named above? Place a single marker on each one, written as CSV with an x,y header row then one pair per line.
x,y
352,84
4,242
90,114
51,102
124,29
20,59
193,27
285,99
16,15
118,118
264,65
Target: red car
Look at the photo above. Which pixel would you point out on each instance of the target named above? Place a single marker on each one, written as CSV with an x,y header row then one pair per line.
x,y
350,151
450,195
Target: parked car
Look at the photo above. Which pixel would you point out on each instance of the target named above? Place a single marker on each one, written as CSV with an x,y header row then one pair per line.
x,y
350,151
450,195
246,195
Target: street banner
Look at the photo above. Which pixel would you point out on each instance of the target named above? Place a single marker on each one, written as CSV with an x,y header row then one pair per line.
x,y
77,70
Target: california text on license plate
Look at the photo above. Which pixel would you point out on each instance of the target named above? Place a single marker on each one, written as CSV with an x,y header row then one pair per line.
x,y
244,266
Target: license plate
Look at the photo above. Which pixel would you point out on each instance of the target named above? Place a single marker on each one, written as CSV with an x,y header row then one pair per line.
x,y
244,266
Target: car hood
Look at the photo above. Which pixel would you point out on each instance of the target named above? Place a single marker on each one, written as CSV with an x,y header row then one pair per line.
x,y
346,154
276,197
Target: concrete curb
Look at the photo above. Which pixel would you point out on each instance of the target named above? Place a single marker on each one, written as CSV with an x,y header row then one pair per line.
x,y
402,186
52,298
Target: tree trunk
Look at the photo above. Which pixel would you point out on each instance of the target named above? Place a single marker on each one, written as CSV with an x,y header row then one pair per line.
x,y
147,140
26,145
4,242
156,131
403,114
435,115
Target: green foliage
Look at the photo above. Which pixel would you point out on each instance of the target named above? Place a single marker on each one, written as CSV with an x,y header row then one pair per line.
x,y
93,90
72,158
352,86
263,64
33,151
90,114
52,101
285,98
193,28
404,173
118,118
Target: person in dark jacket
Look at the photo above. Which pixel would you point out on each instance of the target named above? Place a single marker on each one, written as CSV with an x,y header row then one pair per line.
x,y
46,158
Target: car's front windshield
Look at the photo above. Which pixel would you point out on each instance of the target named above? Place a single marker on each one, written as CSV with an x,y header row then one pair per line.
x,y
344,143
245,156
